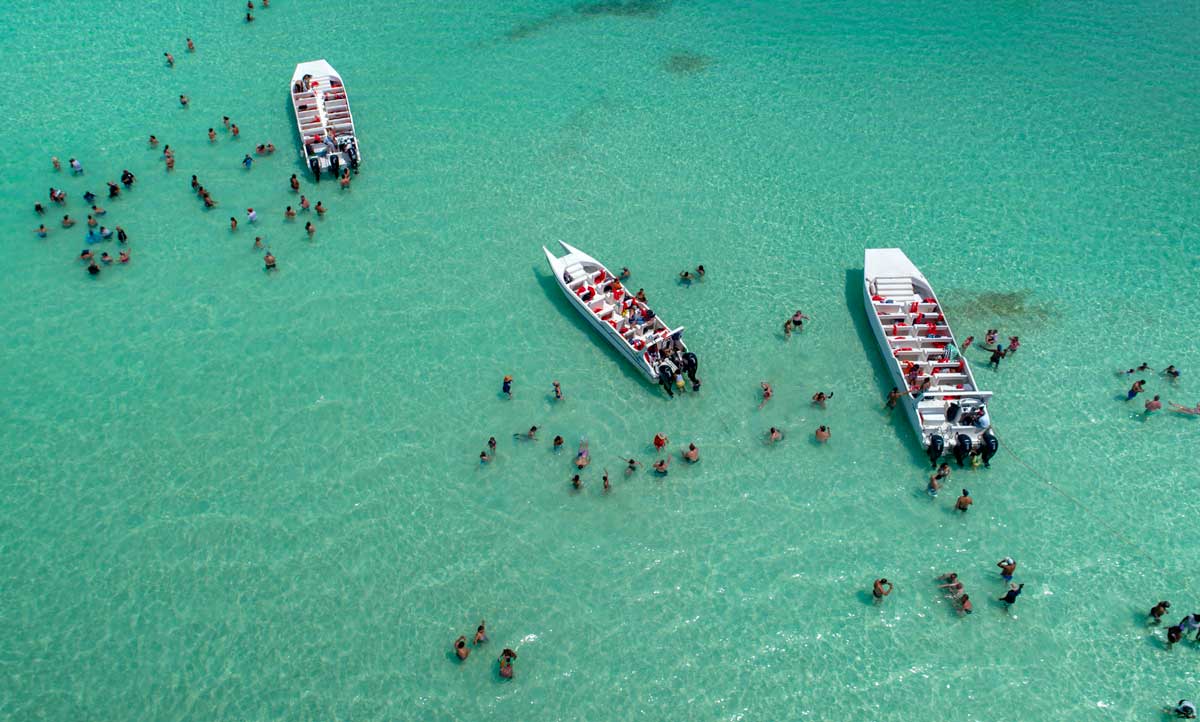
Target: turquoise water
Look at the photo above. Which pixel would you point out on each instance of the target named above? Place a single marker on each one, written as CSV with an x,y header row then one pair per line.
x,y
233,495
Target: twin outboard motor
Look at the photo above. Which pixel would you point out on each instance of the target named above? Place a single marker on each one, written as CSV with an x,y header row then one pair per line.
x,y
315,165
934,451
990,446
335,163
665,377
352,151
962,447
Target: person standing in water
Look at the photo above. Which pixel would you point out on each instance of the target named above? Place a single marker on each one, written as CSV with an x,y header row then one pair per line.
x,y
607,485
506,386
767,392
1010,597
1137,388
461,649
823,434
881,589
998,354
557,391
1158,611
1153,405
1008,567
506,663
964,502
935,480
893,397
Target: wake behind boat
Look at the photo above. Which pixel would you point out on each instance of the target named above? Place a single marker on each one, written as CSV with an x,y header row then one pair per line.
x,y
627,323
323,116
943,402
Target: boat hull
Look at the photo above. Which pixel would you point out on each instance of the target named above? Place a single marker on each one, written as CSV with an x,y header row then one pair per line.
x,y
321,104
918,347
575,270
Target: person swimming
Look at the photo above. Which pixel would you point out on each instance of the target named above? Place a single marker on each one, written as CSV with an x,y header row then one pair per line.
x,y
576,482
461,649
269,260
692,455
660,466
582,458
480,633
631,466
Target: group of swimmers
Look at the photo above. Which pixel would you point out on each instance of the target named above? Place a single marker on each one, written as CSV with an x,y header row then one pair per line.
x,y
96,232
462,651
583,456
956,592
1172,374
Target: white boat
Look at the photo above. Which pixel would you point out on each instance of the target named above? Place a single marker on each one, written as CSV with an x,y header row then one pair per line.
x,y
920,350
629,325
323,115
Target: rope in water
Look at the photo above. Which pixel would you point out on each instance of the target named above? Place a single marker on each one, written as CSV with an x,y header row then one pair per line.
x,y
1100,520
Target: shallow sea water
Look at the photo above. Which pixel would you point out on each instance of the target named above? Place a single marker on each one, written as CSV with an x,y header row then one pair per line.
x,y
233,495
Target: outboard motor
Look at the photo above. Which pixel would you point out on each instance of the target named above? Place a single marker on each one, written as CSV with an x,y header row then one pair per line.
x,y
335,163
952,413
353,153
936,445
990,446
962,447
315,165
665,377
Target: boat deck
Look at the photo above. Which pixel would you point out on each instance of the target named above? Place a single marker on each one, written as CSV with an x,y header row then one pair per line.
x,y
920,342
